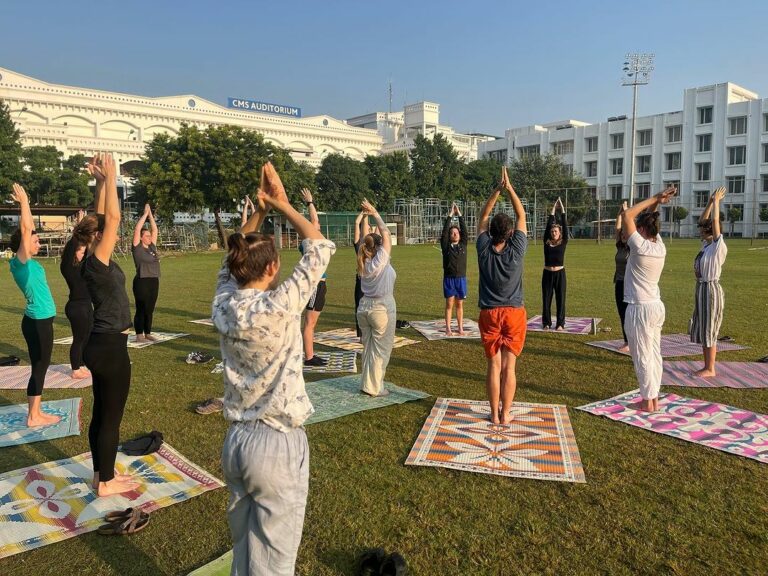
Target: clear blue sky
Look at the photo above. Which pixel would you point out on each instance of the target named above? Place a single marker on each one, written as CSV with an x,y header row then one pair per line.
x,y
490,64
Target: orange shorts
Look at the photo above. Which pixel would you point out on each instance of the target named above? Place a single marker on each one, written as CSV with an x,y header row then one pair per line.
x,y
503,327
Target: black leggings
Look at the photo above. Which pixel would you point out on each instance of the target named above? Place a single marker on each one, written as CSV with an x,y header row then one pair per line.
x,y
106,356
39,337
553,282
80,316
621,306
145,294
358,297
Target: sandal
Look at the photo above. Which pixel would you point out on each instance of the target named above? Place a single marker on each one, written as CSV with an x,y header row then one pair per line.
x,y
725,339
119,515
394,565
370,561
137,521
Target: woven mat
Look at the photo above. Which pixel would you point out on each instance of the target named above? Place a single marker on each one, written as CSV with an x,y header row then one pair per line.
x,y
345,361
573,325
539,444
671,345
204,321
729,375
14,429
57,376
346,339
160,337
435,329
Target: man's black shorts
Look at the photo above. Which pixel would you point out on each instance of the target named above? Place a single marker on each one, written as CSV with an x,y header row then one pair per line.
x,y
317,300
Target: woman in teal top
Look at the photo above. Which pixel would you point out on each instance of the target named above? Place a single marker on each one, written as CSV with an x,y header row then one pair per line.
x,y
37,323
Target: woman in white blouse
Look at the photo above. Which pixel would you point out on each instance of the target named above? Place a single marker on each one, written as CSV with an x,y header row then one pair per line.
x,y
376,312
709,300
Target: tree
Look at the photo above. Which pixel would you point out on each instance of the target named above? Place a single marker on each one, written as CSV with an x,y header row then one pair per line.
x,y
763,215
436,168
389,178
678,215
481,177
734,215
10,150
42,173
342,183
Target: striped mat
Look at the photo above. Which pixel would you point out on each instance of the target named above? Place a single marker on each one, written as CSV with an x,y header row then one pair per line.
x,y
58,376
160,338
729,375
573,325
346,339
435,329
671,345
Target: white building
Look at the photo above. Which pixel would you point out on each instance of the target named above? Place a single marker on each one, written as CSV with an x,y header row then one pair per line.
x,y
398,130
719,138
84,121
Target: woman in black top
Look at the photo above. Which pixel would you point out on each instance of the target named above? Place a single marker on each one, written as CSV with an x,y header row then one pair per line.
x,y
622,254
553,277
106,353
146,283
362,229
79,310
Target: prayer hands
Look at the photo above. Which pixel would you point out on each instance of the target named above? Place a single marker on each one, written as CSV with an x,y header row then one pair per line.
x,y
368,207
719,194
271,183
94,168
108,168
19,194
665,196
147,210
505,180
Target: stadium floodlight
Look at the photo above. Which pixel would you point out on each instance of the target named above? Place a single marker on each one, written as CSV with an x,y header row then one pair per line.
x,y
637,72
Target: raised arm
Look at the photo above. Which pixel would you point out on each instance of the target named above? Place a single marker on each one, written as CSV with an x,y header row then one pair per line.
x,y
26,223
463,230
306,194
274,196
619,236
94,169
111,212
386,237
358,224
258,215
152,227
716,198
520,224
485,215
563,225
445,235
140,226
629,215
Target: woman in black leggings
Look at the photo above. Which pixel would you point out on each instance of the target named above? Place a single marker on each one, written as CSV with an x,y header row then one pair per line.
x,y
622,254
79,310
106,353
553,277
361,231
146,283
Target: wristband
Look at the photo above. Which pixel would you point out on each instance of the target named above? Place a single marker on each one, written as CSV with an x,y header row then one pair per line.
x,y
308,203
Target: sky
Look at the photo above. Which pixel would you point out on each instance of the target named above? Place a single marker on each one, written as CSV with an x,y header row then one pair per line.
x,y
490,64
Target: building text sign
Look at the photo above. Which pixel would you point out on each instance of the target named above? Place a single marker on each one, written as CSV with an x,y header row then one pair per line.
x,y
263,107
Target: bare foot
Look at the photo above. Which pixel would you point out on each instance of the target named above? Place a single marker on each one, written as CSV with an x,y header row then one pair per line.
x,y
655,404
559,329
494,418
115,486
624,349
80,373
461,332
704,373
141,338
507,420
646,405
150,337
42,419
448,332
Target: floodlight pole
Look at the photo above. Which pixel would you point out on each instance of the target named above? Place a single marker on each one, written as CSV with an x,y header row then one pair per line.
x,y
637,71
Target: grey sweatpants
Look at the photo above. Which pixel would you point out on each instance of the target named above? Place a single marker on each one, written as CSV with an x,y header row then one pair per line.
x,y
377,319
267,473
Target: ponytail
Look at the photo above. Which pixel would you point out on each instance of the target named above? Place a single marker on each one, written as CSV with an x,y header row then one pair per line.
x,y
367,251
249,256
649,221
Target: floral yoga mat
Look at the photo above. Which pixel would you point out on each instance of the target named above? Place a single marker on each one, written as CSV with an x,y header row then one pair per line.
x,y
671,345
14,429
538,444
729,375
572,325
346,339
717,426
58,376
50,502
435,329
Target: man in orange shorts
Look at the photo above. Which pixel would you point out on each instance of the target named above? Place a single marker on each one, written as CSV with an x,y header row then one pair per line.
x,y
501,246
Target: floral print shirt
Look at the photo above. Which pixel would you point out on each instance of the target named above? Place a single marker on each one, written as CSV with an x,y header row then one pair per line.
x,y
261,344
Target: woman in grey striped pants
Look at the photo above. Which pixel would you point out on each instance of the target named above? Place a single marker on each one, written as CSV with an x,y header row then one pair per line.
x,y
709,301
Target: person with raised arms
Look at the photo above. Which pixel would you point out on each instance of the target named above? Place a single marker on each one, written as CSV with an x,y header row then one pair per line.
x,y
316,301
620,260
265,457
645,311
501,246
453,244
553,279
362,229
146,282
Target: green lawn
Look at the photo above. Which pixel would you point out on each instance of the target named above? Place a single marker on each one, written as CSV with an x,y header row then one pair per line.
x,y
651,505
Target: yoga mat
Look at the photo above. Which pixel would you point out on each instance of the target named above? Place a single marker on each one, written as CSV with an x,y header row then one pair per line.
x,y
204,321
345,361
346,339
671,345
57,376
219,567
729,375
160,338
435,329
14,429
538,444
337,397
50,502
717,426
573,325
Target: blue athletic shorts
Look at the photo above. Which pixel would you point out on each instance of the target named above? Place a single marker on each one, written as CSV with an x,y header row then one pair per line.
x,y
455,287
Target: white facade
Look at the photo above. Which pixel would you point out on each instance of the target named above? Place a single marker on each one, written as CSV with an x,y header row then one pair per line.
x,y
719,138
85,121
399,129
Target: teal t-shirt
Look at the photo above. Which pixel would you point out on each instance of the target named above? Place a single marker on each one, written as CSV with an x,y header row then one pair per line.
x,y
30,278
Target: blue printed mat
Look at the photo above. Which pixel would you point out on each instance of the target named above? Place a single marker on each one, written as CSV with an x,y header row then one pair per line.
x,y
13,422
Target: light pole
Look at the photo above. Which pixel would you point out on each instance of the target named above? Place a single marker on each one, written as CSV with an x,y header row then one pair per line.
x,y
637,71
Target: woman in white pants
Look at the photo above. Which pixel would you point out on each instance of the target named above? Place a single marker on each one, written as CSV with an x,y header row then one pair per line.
x,y
376,312
645,310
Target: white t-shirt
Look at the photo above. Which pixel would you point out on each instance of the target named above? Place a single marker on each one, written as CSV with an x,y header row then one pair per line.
x,y
644,266
378,279
709,262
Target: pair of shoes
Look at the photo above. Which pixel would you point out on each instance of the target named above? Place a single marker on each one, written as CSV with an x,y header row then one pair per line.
x,y
210,406
402,324
198,358
316,361
124,522
376,562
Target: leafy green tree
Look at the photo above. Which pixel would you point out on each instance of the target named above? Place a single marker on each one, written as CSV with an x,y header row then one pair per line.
x,y
389,178
451,180
342,183
763,215
481,177
679,214
73,182
437,170
10,150
734,215
42,173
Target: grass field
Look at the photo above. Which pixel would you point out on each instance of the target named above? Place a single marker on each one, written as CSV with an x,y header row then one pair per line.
x,y
651,505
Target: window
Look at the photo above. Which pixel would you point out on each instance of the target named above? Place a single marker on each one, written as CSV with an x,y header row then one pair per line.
x,y
705,115
703,171
560,148
617,141
666,214
737,126
616,191
526,151
643,191
590,169
702,198
765,182
737,155
675,183
617,166
765,153
674,134
591,144
644,137
498,155
673,161
704,143
643,164
592,191
735,184
765,122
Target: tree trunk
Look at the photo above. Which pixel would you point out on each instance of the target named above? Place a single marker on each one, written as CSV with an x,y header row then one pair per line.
x,y
220,230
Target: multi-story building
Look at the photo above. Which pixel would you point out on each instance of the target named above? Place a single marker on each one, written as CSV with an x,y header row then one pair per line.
x,y
719,138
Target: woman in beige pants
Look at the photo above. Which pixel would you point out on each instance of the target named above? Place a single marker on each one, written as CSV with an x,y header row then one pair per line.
x,y
376,312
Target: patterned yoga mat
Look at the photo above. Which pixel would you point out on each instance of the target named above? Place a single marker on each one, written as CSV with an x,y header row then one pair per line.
x,y
58,376
345,361
671,345
346,339
539,444
337,397
729,375
51,502
572,325
160,338
14,429
435,329
204,321
222,566
717,426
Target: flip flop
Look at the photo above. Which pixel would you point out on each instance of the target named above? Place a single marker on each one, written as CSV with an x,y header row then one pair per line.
x,y
394,565
725,339
370,561
118,515
137,521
